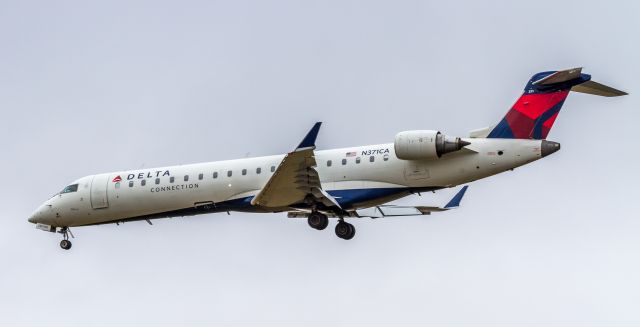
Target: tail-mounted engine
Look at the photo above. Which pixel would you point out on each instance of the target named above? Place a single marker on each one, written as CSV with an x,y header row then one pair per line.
x,y
423,145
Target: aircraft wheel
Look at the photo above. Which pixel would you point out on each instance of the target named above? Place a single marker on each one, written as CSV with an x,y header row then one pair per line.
x,y
318,220
352,233
65,244
345,231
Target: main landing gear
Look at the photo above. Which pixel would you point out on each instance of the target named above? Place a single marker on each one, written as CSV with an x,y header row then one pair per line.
x,y
65,243
320,221
345,230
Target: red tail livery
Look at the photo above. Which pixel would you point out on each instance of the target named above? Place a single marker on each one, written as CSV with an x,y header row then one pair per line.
x,y
534,113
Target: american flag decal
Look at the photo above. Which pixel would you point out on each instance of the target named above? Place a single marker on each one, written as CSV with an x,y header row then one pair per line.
x,y
351,154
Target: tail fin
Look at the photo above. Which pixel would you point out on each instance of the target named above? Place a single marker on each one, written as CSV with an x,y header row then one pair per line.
x,y
534,113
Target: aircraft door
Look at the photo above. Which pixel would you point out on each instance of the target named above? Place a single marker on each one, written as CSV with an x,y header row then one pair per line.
x,y
99,185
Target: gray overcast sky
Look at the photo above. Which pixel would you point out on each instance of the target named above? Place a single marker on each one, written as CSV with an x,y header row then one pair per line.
x,y
89,87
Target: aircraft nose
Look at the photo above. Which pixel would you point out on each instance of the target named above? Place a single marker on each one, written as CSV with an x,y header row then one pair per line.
x,y
36,217
548,147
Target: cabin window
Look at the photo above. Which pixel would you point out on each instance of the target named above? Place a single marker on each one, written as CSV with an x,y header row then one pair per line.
x,y
157,181
172,179
215,174
200,176
358,160
70,189
229,173
273,168
385,157
118,185
186,178
143,182
372,159
130,183
244,172
328,163
344,162
258,170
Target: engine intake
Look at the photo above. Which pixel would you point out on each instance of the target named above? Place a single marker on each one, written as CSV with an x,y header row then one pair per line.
x,y
425,144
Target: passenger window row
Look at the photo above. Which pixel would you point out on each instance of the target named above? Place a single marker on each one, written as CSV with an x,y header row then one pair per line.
x,y
200,176
244,172
358,160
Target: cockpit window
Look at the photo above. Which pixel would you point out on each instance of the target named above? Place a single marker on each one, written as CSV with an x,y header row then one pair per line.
x,y
70,189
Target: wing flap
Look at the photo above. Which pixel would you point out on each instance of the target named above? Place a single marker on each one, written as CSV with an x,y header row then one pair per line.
x,y
384,211
291,181
296,179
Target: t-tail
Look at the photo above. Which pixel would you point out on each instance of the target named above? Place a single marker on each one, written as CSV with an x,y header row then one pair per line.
x,y
533,115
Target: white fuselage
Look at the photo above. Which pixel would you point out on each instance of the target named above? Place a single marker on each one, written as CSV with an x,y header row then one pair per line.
x,y
357,177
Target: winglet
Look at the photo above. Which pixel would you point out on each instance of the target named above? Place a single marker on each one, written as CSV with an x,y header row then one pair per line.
x,y
309,141
455,201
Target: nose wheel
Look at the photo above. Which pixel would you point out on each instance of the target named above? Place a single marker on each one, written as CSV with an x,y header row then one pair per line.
x,y
65,243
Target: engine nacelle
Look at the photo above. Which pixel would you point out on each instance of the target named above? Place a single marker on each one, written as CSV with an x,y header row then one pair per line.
x,y
424,145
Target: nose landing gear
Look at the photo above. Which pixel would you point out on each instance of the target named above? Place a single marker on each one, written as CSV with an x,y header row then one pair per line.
x,y
65,243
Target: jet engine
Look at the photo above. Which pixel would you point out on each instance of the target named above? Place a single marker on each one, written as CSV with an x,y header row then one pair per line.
x,y
424,145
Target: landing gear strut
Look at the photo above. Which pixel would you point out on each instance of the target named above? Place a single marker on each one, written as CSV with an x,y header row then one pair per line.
x,y
345,230
318,220
65,243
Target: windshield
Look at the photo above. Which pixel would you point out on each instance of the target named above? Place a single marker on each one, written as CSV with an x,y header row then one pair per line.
x,y
69,189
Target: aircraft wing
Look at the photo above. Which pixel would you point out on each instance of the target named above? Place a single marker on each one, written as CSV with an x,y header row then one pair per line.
x,y
296,180
383,211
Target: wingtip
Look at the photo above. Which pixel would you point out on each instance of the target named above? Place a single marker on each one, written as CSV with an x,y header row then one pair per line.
x,y
455,201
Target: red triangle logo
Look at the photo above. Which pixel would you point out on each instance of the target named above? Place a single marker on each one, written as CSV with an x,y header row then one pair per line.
x,y
117,179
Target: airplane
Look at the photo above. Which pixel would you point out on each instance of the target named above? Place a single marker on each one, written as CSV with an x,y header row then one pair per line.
x,y
346,183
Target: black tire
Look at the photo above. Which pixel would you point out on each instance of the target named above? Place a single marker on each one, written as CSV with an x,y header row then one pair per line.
x,y
352,232
325,224
318,221
344,230
65,244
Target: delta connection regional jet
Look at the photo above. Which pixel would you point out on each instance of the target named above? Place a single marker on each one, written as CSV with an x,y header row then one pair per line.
x,y
353,182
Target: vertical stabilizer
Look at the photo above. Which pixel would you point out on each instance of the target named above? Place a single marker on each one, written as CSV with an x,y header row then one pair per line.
x,y
534,113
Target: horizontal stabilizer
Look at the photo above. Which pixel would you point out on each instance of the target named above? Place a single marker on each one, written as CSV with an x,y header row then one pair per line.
x,y
559,76
595,88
